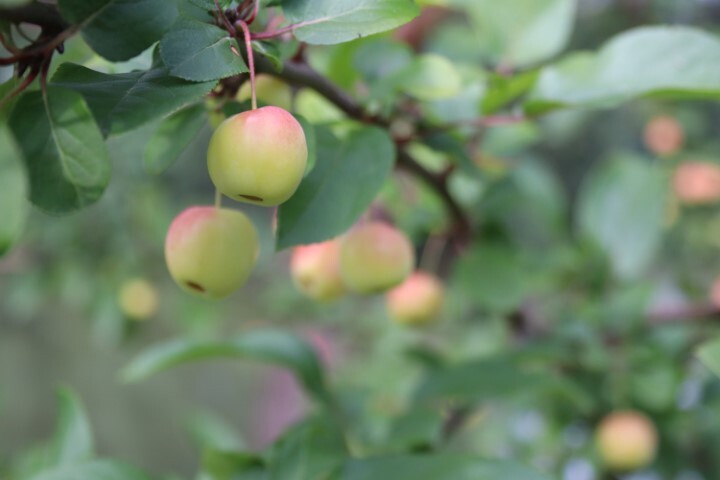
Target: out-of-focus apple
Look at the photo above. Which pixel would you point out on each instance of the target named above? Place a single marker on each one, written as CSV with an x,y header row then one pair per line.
x,y
663,135
138,299
697,182
627,440
417,301
315,269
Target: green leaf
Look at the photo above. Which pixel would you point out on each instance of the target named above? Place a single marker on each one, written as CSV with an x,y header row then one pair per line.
x,y
126,101
210,430
13,3
503,90
95,470
200,52
273,346
445,466
348,174
65,154
666,62
518,33
13,191
119,30
224,465
429,77
172,137
709,355
621,209
73,440
338,21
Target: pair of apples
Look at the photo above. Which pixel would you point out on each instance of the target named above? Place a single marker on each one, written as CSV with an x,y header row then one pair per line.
x,y
373,257
258,157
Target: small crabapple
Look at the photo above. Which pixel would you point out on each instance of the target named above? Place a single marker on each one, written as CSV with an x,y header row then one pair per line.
x,y
626,440
315,270
417,301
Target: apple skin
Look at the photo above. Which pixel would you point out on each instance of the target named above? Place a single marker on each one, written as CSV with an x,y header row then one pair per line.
x,y
417,301
626,441
258,156
663,135
375,257
697,182
269,90
138,299
315,270
210,251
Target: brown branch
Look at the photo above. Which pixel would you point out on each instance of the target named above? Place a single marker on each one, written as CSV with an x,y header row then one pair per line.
x,y
44,15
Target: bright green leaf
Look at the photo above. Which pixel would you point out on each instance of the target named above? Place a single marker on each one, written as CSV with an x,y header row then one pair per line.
x,y
65,154
348,174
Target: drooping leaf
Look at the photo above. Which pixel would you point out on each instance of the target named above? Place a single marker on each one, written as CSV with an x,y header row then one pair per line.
x,y
65,153
13,191
348,174
664,62
273,346
172,137
199,52
621,209
125,101
338,21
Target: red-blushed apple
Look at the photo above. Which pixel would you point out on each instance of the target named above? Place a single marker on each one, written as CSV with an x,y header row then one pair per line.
x,y
269,90
697,182
315,269
663,135
258,156
211,251
626,440
138,299
374,257
417,301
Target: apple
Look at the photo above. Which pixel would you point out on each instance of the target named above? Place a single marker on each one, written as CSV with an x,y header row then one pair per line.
x,y
697,182
417,301
258,156
211,251
315,269
138,299
269,90
375,257
663,135
626,440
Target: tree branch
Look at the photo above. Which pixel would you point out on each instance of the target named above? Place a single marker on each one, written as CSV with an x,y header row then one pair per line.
x,y
42,14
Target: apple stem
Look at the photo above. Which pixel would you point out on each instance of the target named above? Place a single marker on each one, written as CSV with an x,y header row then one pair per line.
x,y
218,199
251,61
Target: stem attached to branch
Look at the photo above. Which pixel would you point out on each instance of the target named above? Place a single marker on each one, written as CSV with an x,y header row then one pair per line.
x,y
250,59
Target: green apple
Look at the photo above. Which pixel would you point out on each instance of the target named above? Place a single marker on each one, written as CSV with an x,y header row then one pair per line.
x,y
375,257
269,90
210,251
417,301
258,156
138,299
626,441
315,269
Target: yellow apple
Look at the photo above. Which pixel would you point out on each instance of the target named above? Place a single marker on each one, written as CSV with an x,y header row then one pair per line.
x,y
697,182
626,440
315,269
258,156
269,90
417,301
138,299
210,251
375,257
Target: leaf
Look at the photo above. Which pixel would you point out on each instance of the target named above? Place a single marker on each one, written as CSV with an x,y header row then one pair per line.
x,y
212,431
273,346
95,470
348,174
518,33
73,440
429,77
126,101
445,466
224,465
621,209
65,154
119,30
503,90
199,52
172,137
666,62
338,21
13,191
709,355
